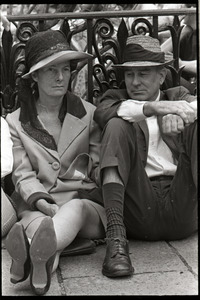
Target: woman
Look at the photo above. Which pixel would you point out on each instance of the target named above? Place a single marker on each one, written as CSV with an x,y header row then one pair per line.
x,y
56,153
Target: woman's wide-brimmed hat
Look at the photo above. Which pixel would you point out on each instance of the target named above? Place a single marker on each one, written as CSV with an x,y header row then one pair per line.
x,y
143,51
47,47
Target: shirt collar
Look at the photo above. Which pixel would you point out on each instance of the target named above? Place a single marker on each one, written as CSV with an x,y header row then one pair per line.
x,y
158,98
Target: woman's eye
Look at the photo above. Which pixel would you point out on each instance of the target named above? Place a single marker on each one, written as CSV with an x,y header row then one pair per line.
x,y
51,69
67,69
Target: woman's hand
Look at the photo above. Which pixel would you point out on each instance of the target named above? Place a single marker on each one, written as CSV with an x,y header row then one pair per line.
x,y
47,208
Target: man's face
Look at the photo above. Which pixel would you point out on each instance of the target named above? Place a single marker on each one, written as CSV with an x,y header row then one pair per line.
x,y
143,83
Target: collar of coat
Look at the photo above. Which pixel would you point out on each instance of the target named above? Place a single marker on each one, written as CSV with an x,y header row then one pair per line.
x,y
28,116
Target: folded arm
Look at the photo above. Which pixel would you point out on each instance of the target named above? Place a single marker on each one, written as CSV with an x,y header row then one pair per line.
x,y
182,109
108,106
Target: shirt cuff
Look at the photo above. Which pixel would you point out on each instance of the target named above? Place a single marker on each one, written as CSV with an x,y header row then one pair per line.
x,y
131,110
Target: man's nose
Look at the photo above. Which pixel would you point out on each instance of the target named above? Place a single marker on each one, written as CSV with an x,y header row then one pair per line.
x,y
135,80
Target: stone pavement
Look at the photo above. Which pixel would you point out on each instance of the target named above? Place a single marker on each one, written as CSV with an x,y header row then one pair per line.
x,y
161,268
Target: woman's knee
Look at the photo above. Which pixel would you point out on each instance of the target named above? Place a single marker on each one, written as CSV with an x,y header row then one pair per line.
x,y
75,205
76,208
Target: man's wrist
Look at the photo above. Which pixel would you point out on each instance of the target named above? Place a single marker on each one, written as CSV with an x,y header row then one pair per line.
x,y
147,109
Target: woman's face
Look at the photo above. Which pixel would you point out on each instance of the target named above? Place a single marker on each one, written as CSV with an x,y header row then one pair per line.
x,y
53,80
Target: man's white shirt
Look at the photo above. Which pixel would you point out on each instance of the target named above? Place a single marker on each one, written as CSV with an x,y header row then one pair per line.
x,y
159,160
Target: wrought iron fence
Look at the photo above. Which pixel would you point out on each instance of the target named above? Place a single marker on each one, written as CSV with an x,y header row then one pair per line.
x,y
98,34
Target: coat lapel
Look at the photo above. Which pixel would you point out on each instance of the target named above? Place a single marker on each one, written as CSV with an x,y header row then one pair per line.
x,y
71,128
31,135
143,126
72,122
71,113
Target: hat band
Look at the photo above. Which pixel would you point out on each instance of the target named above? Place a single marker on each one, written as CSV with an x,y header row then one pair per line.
x,y
37,57
135,52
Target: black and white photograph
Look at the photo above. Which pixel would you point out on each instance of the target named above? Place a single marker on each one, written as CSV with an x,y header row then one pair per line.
x,y
99,149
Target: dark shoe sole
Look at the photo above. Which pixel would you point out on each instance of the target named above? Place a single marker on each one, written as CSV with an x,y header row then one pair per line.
x,y
120,273
42,253
17,246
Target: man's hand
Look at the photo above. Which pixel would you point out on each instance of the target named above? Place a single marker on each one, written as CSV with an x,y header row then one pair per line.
x,y
172,124
162,108
47,208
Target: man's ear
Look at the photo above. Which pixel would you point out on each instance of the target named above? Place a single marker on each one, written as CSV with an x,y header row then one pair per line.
x,y
34,76
163,74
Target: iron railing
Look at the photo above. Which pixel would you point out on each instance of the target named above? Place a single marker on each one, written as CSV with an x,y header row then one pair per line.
x,y
103,39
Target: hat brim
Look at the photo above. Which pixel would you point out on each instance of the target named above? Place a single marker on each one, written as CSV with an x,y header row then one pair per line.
x,y
138,64
168,60
58,58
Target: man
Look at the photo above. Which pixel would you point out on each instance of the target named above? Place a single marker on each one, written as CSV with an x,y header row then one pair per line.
x,y
148,160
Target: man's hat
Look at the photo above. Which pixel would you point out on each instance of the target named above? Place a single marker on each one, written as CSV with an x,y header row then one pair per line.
x,y
47,47
143,51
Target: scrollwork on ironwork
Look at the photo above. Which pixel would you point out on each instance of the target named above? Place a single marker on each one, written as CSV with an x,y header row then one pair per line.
x,y
113,56
99,73
141,26
25,31
12,61
108,49
12,64
102,30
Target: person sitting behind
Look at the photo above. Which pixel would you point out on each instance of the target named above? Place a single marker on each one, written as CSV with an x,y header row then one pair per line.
x,y
188,54
8,213
148,158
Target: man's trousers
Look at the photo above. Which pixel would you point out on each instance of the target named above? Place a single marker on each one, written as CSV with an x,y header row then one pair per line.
x,y
161,209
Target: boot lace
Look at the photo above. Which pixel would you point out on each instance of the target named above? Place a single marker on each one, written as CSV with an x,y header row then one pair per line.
x,y
118,248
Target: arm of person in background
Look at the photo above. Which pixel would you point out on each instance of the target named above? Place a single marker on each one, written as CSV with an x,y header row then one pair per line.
x,y
6,149
190,66
5,23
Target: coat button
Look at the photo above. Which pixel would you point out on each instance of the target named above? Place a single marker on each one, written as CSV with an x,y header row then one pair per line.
x,y
55,165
